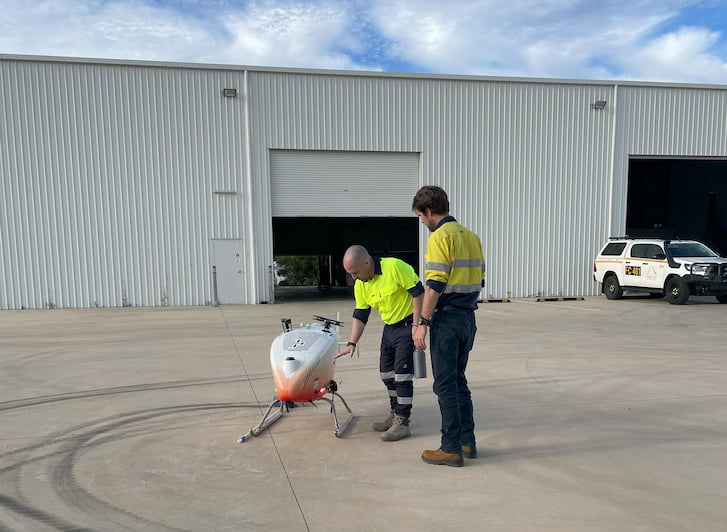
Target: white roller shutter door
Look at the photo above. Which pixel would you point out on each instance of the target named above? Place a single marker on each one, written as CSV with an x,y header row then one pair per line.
x,y
343,184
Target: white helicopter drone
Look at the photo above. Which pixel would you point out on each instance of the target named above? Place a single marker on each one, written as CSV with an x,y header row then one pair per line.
x,y
303,365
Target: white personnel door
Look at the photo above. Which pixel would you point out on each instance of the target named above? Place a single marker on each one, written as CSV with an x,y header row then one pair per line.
x,y
229,263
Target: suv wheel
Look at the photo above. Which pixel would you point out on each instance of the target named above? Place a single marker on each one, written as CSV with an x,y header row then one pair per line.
x,y
722,299
611,288
676,291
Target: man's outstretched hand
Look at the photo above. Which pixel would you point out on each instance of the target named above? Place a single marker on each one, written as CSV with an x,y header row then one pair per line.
x,y
348,350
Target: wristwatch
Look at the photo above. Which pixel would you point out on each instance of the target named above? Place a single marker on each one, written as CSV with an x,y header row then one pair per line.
x,y
424,321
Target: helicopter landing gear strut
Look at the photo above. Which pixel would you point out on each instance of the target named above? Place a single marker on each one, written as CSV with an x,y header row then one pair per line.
x,y
272,414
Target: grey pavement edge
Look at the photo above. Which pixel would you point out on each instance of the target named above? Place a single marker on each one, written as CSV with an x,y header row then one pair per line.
x,y
591,415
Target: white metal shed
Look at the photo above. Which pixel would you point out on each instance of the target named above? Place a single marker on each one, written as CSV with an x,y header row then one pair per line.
x,y
124,182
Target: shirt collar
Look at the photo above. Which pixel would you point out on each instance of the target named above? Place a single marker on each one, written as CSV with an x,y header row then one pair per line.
x,y
444,221
377,267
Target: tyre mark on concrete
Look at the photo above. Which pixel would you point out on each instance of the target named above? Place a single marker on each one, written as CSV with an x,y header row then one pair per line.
x,y
85,394
37,515
73,443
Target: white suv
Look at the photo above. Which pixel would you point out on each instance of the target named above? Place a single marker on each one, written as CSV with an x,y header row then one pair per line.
x,y
674,269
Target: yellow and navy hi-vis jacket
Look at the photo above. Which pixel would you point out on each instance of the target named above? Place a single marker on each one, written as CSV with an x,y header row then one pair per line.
x,y
390,291
454,265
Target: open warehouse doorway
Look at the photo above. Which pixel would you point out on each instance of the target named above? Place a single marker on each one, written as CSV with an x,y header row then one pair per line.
x,y
324,240
324,201
684,198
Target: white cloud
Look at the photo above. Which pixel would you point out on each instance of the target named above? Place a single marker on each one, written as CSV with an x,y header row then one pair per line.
x,y
132,30
634,39
556,38
270,33
298,35
682,55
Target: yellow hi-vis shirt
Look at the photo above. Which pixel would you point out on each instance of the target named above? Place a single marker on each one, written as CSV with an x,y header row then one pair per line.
x,y
455,266
388,292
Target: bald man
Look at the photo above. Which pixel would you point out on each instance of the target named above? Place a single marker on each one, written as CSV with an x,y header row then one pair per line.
x,y
393,288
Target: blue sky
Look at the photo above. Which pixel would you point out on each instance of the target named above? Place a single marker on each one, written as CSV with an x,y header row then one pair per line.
x,y
654,40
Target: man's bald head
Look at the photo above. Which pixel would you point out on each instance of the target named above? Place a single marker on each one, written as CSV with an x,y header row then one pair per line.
x,y
356,254
358,263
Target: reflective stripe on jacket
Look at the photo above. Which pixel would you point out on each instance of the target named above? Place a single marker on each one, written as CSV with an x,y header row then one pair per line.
x,y
454,265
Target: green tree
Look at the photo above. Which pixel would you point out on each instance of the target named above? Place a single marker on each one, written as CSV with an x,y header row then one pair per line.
x,y
297,270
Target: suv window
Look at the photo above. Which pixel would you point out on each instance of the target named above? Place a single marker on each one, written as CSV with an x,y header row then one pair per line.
x,y
614,248
647,251
690,249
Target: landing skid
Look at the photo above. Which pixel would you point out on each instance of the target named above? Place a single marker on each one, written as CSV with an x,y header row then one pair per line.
x,y
272,415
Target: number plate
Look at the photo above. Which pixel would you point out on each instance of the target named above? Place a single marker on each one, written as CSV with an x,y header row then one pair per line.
x,y
633,270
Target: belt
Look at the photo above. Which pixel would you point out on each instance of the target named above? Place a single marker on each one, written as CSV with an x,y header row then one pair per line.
x,y
447,308
409,320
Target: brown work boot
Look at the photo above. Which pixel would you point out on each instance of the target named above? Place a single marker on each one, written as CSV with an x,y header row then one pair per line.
x,y
439,457
398,431
383,426
469,451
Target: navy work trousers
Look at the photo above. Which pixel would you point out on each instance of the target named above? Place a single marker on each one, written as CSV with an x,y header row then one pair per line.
x,y
396,366
451,336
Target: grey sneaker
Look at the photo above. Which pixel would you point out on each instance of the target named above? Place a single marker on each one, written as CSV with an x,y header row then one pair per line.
x,y
398,431
383,426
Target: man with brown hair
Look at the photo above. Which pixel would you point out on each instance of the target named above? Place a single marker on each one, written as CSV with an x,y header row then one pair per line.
x,y
455,273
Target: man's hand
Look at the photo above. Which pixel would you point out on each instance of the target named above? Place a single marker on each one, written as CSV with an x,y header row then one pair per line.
x,y
419,335
348,350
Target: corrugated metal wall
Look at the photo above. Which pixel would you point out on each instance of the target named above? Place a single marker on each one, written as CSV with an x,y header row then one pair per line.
x,y
108,180
526,165
109,170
